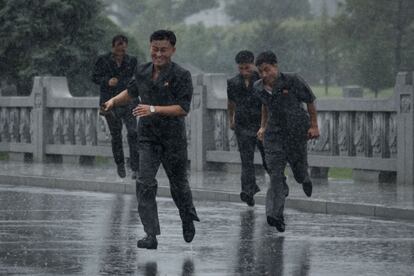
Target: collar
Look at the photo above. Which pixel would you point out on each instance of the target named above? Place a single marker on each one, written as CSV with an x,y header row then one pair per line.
x,y
125,58
259,85
279,83
164,73
255,76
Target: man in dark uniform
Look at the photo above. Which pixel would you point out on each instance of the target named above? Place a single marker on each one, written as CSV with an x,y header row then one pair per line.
x,y
113,72
244,112
165,90
286,127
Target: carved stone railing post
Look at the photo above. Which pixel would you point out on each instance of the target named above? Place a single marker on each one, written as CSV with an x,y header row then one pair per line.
x,y
198,122
323,145
405,128
38,119
343,138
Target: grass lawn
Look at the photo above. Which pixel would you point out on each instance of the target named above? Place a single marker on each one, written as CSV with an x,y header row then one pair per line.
x,y
100,160
336,92
340,173
4,156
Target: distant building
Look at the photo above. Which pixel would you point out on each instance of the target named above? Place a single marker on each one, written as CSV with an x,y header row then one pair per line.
x,y
211,17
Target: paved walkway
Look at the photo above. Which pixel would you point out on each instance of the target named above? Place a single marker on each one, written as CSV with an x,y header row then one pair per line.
x,y
332,196
59,232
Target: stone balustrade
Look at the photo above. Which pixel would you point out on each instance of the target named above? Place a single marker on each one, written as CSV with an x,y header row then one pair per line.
x,y
374,137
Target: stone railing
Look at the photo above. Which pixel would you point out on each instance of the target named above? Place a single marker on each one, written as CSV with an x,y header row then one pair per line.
x,y
373,137
52,125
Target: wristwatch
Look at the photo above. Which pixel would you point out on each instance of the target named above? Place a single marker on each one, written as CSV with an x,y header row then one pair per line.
x,y
152,109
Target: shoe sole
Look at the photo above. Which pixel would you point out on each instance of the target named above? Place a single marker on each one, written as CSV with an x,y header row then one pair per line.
x,y
150,248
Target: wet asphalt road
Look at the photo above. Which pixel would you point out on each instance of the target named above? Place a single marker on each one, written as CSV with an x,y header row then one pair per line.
x,y
57,232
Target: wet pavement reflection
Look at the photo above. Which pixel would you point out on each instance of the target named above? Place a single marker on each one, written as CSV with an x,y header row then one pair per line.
x,y
57,232
347,191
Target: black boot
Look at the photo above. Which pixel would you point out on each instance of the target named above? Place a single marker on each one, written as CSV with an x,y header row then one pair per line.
x,y
278,223
121,170
285,185
188,230
307,187
149,242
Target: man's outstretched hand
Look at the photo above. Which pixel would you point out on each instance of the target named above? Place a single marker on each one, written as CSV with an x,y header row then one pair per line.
x,y
107,106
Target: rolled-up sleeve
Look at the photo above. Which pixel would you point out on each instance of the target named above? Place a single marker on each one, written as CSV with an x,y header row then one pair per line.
x,y
230,91
304,92
100,74
132,88
184,91
259,93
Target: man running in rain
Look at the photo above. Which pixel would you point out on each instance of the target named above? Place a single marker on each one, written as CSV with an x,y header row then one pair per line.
x,y
244,112
286,127
112,72
165,90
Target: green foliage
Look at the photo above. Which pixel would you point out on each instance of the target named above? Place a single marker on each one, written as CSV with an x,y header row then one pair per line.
x,y
145,16
365,44
213,49
51,37
327,47
295,42
374,37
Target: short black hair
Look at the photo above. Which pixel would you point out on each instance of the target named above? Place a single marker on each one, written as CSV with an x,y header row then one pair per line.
x,y
266,57
244,56
164,35
119,38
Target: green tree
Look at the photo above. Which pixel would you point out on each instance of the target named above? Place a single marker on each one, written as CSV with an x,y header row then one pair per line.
x,y
326,46
293,35
375,36
296,44
52,37
151,15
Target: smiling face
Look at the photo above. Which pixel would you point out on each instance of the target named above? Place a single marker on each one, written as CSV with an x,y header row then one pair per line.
x,y
161,52
268,72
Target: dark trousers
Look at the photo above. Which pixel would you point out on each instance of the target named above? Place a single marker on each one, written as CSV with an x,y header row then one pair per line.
x,y
281,149
247,145
115,119
173,157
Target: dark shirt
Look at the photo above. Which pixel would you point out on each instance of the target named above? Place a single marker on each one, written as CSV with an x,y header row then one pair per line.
x,y
172,87
107,68
285,103
248,108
